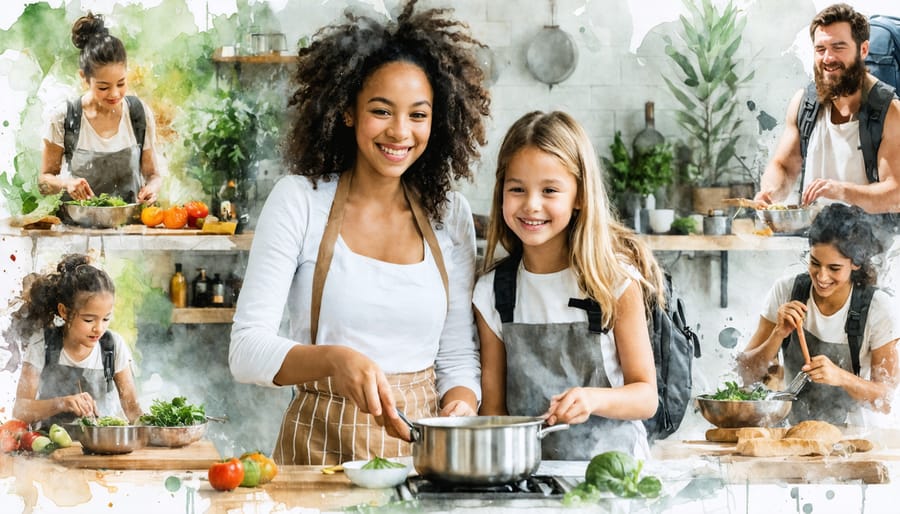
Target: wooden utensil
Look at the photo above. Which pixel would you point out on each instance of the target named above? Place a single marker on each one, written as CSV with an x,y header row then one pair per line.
x,y
801,336
745,202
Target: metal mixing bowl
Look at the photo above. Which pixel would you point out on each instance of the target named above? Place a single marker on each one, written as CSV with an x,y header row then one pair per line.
x,y
101,217
785,221
108,440
744,413
176,437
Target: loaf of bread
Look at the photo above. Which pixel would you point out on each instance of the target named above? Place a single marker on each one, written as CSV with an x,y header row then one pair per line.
x,y
817,431
787,447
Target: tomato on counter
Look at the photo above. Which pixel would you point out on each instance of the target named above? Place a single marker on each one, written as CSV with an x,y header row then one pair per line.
x,y
175,217
196,211
226,475
27,438
152,216
267,467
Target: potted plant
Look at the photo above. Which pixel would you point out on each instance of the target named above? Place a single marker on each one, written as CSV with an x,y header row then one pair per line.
x,y
708,77
636,177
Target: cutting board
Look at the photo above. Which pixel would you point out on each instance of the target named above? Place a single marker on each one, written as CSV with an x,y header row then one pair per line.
x,y
866,467
199,455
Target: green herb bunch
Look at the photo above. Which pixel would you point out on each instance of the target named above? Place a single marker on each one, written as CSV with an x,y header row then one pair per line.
x,y
733,392
103,200
614,472
105,421
380,463
175,413
641,173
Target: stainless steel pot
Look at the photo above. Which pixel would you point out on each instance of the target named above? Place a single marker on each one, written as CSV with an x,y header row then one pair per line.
x,y
108,440
478,450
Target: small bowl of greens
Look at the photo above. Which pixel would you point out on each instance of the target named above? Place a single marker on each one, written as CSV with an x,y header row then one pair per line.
x,y
174,423
736,407
377,473
101,211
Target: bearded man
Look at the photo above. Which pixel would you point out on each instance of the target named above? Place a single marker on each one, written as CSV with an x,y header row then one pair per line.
x,y
842,133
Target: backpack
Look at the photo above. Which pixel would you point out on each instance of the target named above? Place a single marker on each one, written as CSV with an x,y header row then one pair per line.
x,y
72,125
53,347
883,60
674,345
860,300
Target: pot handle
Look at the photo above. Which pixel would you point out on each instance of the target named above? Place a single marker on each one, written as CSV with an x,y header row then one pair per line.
x,y
414,433
549,429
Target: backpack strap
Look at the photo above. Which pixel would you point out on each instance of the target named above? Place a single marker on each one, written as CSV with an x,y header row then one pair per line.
x,y
52,345
872,112
594,313
800,293
505,287
72,124
71,127
860,300
138,119
108,348
806,120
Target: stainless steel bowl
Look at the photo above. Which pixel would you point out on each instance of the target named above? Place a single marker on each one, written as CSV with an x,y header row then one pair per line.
x,y
101,217
108,440
785,221
176,437
744,413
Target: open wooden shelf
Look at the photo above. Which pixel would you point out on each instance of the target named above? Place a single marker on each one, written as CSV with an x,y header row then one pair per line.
x,y
268,58
195,315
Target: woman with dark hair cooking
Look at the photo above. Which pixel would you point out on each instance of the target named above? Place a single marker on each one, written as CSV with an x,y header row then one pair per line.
x,y
846,372
366,244
106,138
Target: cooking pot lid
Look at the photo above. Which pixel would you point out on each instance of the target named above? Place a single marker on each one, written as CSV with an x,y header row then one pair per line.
x,y
552,55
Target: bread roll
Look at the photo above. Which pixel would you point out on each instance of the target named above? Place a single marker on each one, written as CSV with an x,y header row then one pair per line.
x,y
762,447
816,430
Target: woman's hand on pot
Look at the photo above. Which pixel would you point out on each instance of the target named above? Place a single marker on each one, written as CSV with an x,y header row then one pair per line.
x,y
572,406
79,189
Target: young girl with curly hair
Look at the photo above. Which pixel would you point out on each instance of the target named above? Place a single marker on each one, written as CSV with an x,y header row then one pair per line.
x,y
73,365
562,319
365,246
845,376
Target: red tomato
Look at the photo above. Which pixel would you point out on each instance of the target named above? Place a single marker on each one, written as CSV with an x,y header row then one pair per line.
x,y
226,475
196,210
8,442
15,427
27,438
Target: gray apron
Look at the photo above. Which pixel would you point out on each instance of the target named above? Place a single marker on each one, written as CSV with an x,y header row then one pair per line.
x,y
59,380
819,401
115,173
545,360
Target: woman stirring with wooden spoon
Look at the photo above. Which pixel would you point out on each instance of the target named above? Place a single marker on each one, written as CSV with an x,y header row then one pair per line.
x,y
850,332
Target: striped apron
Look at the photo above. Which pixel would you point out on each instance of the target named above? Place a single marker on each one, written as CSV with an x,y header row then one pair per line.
x,y
320,427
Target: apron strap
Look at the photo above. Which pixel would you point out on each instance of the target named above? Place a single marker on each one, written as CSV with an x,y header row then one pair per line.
x,y
333,228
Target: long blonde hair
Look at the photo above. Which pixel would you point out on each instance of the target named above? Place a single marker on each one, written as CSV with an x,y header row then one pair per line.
x,y
599,245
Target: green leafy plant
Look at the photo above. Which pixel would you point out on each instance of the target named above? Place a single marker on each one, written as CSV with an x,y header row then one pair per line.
x,y
639,173
709,75
733,392
684,226
22,194
227,136
177,412
615,472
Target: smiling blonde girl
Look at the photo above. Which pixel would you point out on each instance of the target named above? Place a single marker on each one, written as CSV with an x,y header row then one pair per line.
x,y
562,320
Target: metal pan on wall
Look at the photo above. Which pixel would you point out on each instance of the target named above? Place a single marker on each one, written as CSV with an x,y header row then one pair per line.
x,y
552,55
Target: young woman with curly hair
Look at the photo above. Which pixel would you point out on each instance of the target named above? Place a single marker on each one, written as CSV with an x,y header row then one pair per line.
x,y
366,245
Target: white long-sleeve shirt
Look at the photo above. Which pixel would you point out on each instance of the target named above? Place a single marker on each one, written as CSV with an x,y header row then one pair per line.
x,y
395,314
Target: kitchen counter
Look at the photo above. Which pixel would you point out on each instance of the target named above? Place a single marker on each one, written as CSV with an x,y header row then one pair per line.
x,y
694,480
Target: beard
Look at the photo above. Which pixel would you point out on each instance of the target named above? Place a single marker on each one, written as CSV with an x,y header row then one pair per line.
x,y
847,83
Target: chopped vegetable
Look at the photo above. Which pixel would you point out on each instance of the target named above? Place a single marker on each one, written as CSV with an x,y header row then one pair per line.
x,y
105,421
104,200
733,392
379,463
175,413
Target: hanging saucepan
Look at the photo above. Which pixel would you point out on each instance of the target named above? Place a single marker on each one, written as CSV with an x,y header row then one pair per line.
x,y
478,450
552,55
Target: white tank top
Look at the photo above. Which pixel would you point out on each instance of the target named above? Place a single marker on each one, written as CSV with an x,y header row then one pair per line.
x,y
834,151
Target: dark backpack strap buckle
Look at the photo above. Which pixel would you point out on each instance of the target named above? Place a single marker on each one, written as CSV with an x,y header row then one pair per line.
x,y
594,313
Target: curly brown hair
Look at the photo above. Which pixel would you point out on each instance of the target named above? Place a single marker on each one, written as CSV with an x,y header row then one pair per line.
x,y
332,70
859,24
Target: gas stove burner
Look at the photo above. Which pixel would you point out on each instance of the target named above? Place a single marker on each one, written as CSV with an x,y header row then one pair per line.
x,y
534,487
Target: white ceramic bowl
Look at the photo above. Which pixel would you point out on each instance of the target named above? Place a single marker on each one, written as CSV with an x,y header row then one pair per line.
x,y
376,478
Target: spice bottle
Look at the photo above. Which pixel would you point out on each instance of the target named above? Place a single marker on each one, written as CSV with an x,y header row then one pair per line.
x,y
200,288
178,288
217,292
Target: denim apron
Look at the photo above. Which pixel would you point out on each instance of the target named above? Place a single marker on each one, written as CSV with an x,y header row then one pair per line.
x,y
818,401
60,380
321,427
543,360
115,173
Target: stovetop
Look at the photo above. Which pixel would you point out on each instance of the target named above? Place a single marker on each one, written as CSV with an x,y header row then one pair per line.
x,y
535,487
